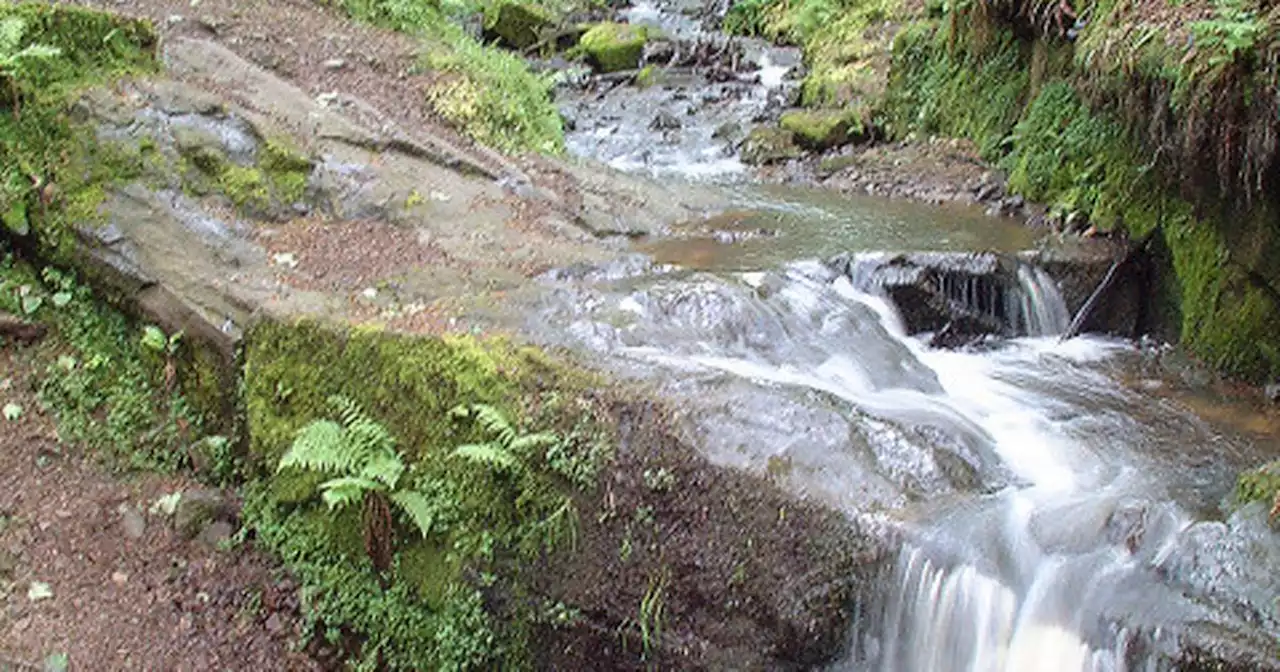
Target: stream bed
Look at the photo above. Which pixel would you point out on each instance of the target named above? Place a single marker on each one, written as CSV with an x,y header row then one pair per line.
x,y
1053,505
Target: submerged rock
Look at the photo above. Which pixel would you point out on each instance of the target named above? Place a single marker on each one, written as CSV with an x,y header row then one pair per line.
x,y
612,47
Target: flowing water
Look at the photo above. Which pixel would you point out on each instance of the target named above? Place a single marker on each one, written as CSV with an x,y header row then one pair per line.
x,y
1046,514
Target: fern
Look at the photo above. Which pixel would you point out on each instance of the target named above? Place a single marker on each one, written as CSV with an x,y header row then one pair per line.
x,y
490,454
361,453
12,30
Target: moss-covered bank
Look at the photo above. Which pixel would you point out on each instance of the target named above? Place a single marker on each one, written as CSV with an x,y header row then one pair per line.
x,y
1043,107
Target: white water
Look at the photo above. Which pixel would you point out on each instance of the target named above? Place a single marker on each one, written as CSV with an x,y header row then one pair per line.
x,y
1063,565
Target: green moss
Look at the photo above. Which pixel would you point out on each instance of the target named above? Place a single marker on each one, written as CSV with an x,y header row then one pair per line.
x,y
820,130
517,25
1259,485
765,145
647,77
485,523
613,47
488,94
276,181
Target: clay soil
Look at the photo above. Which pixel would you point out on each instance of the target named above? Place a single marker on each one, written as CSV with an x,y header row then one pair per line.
x,y
122,596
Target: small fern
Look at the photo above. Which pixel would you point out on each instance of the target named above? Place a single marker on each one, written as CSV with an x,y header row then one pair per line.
x,y
361,455
13,59
504,451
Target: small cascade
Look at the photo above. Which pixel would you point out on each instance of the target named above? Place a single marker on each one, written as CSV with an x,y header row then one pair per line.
x,y
986,293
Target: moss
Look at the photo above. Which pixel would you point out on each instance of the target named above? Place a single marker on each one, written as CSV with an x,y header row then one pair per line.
x,y
612,47
267,189
765,145
647,77
52,172
1259,485
484,523
820,130
517,25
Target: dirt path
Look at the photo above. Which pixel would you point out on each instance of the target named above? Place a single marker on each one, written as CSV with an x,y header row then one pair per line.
x,y
124,590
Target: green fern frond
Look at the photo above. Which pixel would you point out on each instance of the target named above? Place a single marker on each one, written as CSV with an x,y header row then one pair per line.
x,y
320,446
419,509
495,423
346,490
37,51
489,454
11,31
531,441
384,466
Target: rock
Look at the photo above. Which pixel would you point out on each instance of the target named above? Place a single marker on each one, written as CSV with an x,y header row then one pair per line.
x,y
516,25
335,64
765,145
119,578
612,47
274,624
665,121
133,523
216,533
820,130
730,131
198,508
1272,392
17,329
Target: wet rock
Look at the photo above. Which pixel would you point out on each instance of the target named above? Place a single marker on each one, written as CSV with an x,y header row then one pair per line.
x,y
612,47
198,508
820,130
765,146
516,25
730,131
665,121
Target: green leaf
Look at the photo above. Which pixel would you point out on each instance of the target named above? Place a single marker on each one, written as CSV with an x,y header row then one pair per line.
x,y
61,299
384,466
346,490
12,412
39,590
15,218
31,303
317,447
154,339
489,454
419,509
167,504
57,662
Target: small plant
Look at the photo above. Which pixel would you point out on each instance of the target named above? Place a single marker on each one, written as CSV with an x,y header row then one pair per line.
x,y
367,468
652,606
13,60
659,480
506,449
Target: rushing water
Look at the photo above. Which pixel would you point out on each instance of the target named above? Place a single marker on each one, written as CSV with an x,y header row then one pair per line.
x,y
1048,516
1045,516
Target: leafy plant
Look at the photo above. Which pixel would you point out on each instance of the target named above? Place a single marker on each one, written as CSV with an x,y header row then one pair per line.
x,y
13,60
367,468
503,451
1228,35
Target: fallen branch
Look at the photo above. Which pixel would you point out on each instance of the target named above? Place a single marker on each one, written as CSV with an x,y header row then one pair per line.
x,y
1109,279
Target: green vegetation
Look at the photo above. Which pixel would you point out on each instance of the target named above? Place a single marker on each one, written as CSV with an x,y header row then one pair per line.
x,y
488,94
489,499
52,173
265,190
820,130
103,385
1260,485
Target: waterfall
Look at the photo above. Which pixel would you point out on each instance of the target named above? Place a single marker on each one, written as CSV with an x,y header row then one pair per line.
x,y
1042,507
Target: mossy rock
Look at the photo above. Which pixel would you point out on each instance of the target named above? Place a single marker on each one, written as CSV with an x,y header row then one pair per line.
x,y
820,130
613,47
765,145
516,25
1259,485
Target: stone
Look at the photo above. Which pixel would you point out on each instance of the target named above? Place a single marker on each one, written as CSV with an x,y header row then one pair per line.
x,y
1272,392
198,508
765,146
516,25
820,130
665,121
133,523
335,64
612,47
216,533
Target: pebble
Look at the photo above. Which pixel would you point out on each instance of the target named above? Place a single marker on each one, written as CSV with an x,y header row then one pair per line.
x,y
134,524
335,64
119,578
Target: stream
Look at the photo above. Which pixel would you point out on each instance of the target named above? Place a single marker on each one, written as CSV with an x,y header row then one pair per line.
x,y
1054,506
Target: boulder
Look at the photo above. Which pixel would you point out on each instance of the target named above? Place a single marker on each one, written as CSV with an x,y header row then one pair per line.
x,y
765,145
612,47
516,25
820,130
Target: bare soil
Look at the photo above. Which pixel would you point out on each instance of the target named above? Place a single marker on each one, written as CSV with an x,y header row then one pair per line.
x,y
124,596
